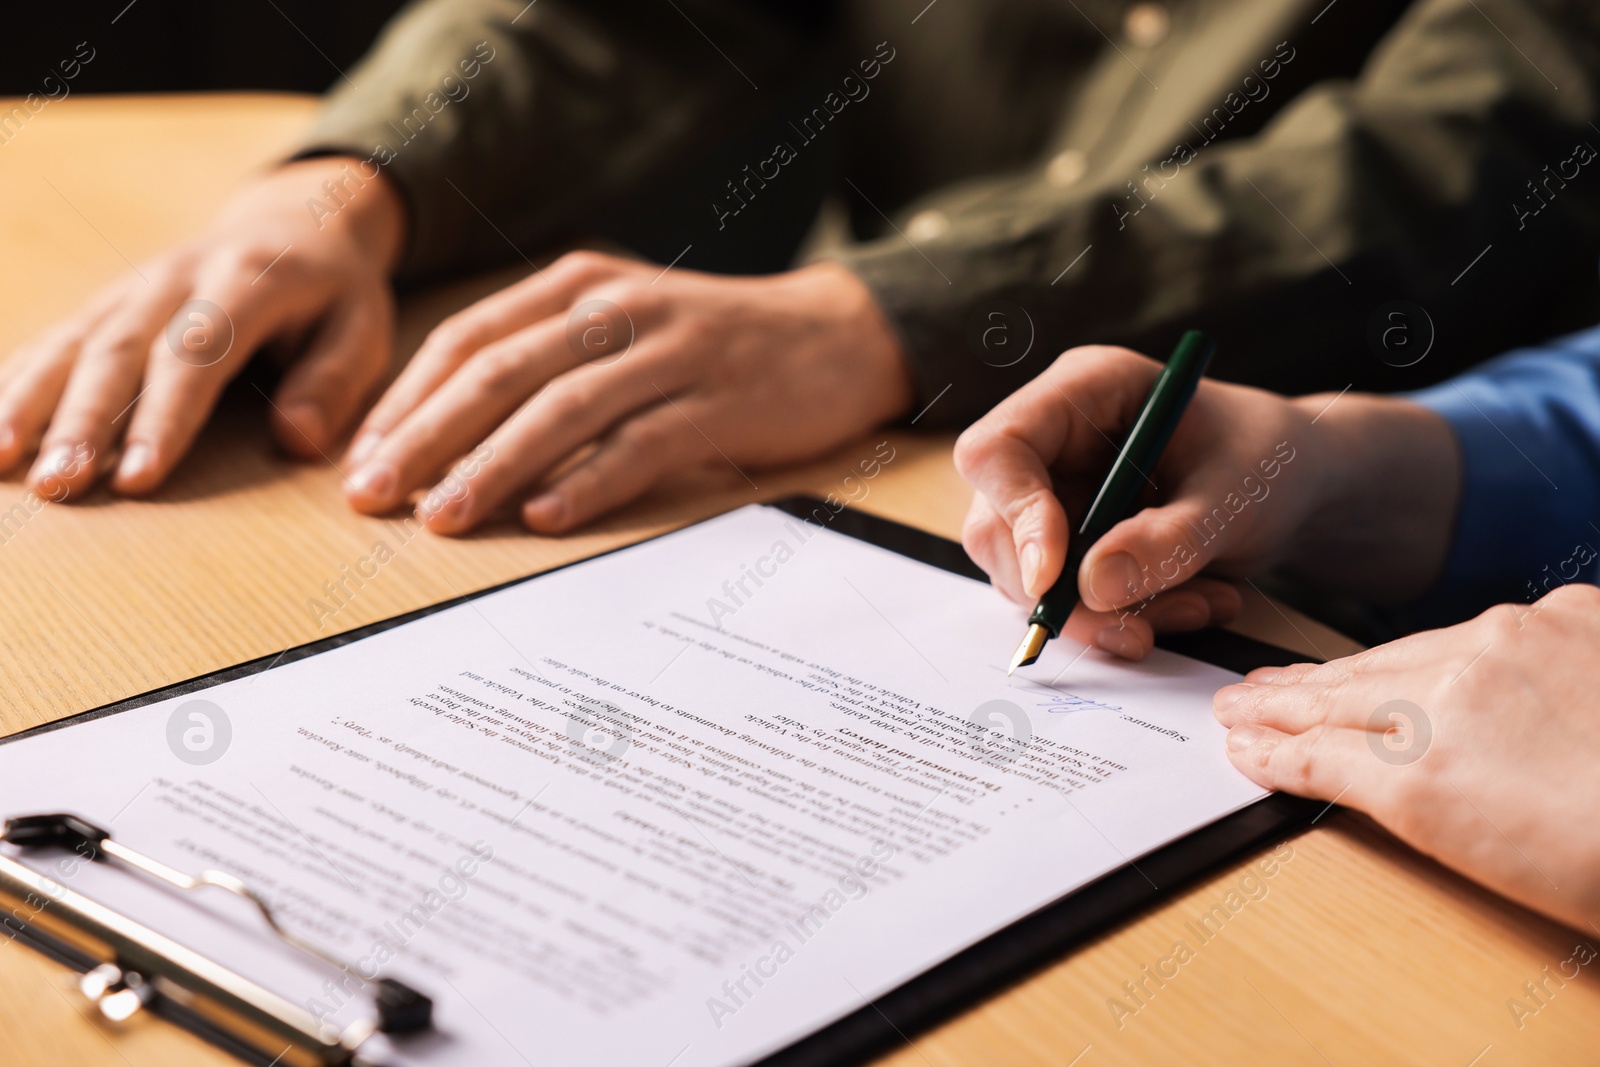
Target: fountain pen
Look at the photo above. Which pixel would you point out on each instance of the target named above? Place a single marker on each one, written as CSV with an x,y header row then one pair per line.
x,y
1168,400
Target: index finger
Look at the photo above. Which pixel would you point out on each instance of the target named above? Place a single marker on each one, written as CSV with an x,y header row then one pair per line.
x,y
459,337
205,343
1083,399
103,385
1012,477
1077,404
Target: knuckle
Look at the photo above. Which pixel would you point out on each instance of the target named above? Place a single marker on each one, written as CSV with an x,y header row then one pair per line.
x,y
120,342
1321,703
1579,596
1503,620
1108,354
633,295
498,368
642,431
976,527
1028,510
1257,705
1079,354
974,543
576,266
242,260
167,271
1501,614
1296,759
697,334
455,335
565,402
1164,533
1301,673
973,449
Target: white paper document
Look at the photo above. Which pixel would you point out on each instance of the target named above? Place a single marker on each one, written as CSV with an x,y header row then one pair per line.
x,y
681,804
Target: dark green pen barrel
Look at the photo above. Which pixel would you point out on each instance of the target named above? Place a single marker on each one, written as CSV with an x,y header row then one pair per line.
x,y
1131,472
1053,608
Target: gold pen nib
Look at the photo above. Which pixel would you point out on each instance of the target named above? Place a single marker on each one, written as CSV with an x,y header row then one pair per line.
x,y
1028,651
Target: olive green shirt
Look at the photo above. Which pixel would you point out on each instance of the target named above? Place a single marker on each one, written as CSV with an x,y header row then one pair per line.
x,y
1021,176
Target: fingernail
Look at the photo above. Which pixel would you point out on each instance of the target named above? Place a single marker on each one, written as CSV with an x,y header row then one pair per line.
x,y
545,511
376,483
1119,642
1182,615
55,462
136,461
1242,737
1224,605
1029,561
449,506
1114,579
1230,695
307,418
363,447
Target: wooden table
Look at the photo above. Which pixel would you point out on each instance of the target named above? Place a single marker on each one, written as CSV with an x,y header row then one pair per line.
x,y
1359,952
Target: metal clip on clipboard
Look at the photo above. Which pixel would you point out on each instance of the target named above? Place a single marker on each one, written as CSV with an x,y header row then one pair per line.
x,y
127,967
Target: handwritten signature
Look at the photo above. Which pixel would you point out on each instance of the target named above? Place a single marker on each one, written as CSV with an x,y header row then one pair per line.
x,y
1061,703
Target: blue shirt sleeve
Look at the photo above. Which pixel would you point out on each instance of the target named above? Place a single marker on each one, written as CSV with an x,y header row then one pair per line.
x,y
1528,424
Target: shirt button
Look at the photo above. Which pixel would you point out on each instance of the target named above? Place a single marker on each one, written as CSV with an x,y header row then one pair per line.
x,y
927,226
1065,168
1146,24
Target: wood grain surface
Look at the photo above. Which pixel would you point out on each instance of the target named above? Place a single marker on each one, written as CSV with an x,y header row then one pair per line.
x,y
1354,950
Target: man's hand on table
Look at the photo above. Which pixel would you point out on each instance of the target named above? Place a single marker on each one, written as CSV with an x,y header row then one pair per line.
x,y
607,373
141,366
658,370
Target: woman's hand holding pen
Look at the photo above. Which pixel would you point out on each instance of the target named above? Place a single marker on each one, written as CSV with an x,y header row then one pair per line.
x,y
1250,481
1356,493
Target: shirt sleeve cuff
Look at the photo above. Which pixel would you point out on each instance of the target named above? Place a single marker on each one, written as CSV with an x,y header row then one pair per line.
x,y
1527,498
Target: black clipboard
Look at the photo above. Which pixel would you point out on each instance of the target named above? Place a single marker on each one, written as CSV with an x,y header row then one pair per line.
x,y
998,961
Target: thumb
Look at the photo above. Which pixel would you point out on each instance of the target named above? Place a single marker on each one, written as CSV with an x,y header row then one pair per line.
x,y
1153,551
345,360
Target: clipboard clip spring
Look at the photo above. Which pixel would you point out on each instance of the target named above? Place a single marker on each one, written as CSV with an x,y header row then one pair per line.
x,y
120,993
